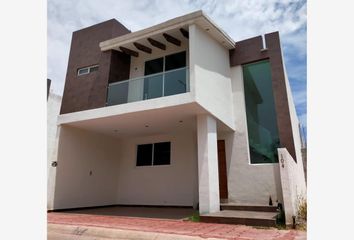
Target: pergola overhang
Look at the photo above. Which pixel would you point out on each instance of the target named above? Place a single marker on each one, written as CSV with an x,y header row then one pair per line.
x,y
170,32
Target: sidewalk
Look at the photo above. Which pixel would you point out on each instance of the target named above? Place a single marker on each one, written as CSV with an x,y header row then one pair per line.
x,y
113,227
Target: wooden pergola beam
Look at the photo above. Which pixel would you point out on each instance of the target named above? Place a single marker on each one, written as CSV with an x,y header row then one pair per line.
x,y
184,32
157,44
171,39
129,51
142,47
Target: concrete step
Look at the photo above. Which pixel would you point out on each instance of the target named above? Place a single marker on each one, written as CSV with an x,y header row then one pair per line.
x,y
257,208
251,218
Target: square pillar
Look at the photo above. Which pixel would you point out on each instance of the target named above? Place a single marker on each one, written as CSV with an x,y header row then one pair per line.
x,y
208,173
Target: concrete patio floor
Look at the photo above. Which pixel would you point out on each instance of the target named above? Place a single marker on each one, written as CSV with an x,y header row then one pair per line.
x,y
87,226
143,212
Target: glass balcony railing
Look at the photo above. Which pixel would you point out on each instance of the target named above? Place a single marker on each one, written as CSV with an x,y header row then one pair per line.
x,y
157,85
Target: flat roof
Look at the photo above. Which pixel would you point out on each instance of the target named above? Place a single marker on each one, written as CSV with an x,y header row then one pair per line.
x,y
198,18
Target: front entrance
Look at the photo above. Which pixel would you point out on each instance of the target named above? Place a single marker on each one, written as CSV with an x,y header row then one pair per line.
x,y
222,171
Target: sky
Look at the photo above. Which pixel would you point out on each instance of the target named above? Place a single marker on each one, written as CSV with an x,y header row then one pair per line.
x,y
240,19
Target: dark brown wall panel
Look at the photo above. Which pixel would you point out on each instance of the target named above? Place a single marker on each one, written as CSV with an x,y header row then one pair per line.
x,y
89,91
120,67
248,51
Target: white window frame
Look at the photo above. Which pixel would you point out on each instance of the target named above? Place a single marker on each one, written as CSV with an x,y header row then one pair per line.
x,y
85,68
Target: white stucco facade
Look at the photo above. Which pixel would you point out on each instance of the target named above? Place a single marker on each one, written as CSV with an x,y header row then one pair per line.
x,y
292,182
209,199
95,170
249,184
97,148
53,108
210,75
86,172
171,185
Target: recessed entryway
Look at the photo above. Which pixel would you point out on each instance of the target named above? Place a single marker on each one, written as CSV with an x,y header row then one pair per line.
x,y
222,171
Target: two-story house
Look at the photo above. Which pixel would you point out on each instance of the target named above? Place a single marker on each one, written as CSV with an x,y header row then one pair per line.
x,y
177,114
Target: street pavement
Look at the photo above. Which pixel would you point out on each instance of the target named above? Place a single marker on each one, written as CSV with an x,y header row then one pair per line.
x,y
69,226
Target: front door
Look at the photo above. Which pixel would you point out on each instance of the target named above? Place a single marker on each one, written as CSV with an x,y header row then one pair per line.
x,y
222,171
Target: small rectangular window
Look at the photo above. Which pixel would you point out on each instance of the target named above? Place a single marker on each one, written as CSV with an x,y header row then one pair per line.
x,y
87,70
154,154
93,69
144,156
82,71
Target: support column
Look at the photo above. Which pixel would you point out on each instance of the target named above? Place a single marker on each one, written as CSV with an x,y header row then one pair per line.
x,y
209,200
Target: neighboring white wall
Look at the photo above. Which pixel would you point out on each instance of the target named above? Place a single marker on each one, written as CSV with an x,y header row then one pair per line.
x,y
250,184
174,184
294,124
292,182
53,108
210,75
79,153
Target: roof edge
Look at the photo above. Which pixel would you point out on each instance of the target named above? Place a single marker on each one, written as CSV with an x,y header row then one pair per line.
x,y
169,24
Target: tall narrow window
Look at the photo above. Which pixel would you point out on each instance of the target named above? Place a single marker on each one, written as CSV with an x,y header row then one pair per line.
x,y
262,125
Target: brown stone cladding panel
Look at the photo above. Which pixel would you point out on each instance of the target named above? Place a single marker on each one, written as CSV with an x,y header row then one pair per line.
x,y
89,91
249,50
120,67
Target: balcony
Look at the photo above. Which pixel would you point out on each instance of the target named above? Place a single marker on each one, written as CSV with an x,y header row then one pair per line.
x,y
151,86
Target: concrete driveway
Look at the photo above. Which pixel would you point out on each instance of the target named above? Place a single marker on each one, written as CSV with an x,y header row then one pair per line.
x,y
69,226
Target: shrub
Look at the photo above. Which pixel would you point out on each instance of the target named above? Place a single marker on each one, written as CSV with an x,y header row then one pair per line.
x,y
301,214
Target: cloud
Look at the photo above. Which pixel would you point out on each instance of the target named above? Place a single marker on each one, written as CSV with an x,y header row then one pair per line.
x,y
240,19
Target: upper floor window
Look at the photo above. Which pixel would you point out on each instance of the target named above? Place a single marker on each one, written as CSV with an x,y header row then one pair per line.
x,y
87,70
166,63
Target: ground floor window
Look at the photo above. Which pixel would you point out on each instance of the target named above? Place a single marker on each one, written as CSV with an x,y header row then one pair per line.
x,y
262,125
154,154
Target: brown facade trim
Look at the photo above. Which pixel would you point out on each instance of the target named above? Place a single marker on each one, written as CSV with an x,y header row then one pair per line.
x,y
251,50
90,90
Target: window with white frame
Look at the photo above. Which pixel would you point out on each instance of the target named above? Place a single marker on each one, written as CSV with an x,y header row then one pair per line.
x,y
154,154
87,70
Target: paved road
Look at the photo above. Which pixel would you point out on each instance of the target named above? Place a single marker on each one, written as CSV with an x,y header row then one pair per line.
x,y
66,226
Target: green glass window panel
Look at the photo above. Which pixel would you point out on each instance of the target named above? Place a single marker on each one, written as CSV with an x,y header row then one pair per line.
x,y
262,125
153,86
117,93
175,82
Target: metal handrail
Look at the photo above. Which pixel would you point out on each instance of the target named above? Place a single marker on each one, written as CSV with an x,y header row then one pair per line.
x,y
147,76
